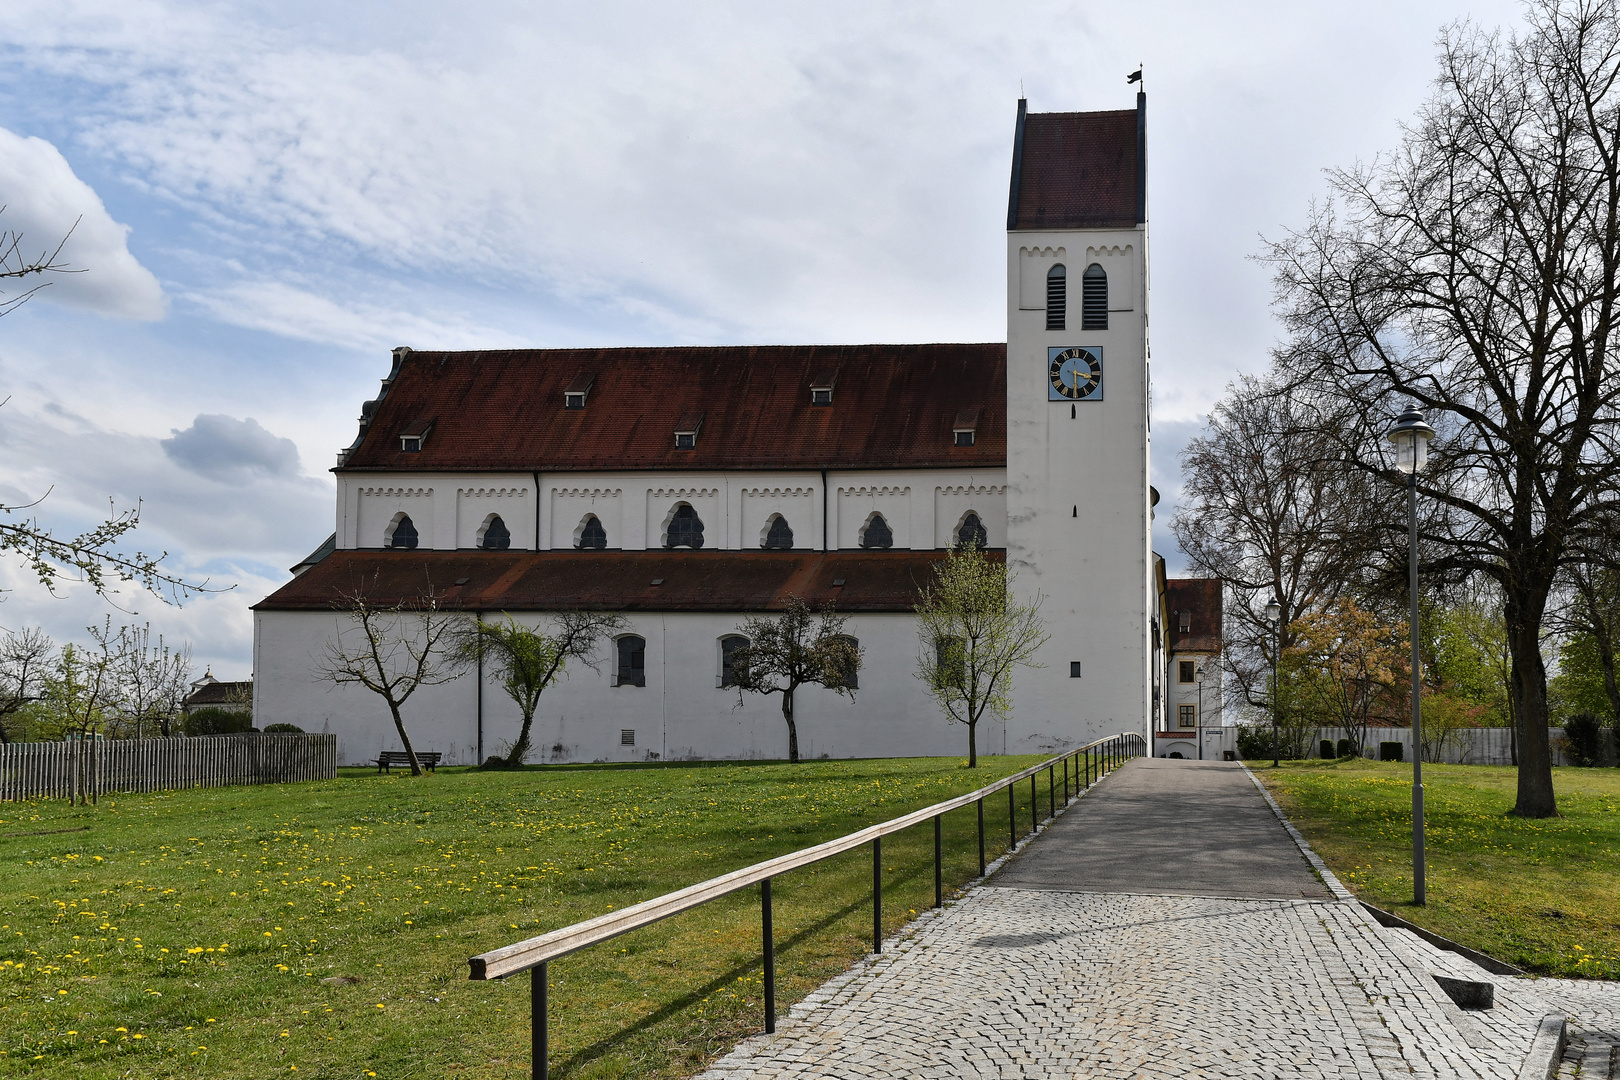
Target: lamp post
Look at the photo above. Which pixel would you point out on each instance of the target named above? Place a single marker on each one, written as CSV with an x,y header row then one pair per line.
x,y
1411,437
1274,617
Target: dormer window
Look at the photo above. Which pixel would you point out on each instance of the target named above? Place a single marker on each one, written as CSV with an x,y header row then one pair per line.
x,y
686,432
821,387
574,395
967,423
413,435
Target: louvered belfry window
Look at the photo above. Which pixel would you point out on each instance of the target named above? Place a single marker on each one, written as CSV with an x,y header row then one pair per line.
x,y
1057,298
1094,299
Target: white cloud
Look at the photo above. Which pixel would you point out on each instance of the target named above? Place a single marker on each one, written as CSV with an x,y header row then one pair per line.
x,y
42,199
225,448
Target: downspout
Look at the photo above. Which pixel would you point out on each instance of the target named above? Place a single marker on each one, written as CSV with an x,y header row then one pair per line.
x,y
824,510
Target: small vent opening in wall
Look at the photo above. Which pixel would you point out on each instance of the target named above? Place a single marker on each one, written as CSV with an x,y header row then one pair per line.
x,y
627,736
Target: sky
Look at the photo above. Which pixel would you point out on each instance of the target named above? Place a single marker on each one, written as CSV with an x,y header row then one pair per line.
x,y
270,196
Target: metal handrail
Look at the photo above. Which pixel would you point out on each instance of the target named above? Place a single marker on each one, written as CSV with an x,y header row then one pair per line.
x,y
533,954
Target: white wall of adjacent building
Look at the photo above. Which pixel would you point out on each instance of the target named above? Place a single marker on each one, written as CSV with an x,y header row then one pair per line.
x,y
923,507
681,713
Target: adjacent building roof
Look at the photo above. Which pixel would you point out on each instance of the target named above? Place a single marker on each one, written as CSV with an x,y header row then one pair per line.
x,y
1197,604
1079,170
854,581
216,693
893,406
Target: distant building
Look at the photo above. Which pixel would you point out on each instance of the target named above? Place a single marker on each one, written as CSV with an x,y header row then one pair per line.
x,y
209,693
1192,716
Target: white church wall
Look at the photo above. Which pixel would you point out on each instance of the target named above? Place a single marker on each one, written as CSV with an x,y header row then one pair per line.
x,y
570,506
446,508
799,504
858,496
679,714
954,501
1077,489
477,503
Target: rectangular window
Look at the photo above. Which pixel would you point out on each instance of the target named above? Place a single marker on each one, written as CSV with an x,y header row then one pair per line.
x,y
685,440
574,400
1074,669
632,666
964,438
627,736
411,444
1187,672
821,396
1187,716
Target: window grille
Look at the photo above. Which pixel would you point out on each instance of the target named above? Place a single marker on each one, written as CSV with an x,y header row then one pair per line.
x,y
632,667
404,534
1187,715
496,535
1057,297
1094,299
780,536
592,537
685,529
627,736
972,531
728,658
877,534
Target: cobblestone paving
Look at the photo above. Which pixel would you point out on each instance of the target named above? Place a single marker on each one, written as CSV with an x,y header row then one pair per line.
x,y
1014,983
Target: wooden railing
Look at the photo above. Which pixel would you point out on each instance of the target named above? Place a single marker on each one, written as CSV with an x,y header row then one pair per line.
x,y
82,770
1088,764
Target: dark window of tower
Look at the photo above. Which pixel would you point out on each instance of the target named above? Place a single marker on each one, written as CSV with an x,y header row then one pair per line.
x,y
404,534
973,531
728,658
1057,297
685,529
496,535
877,533
780,536
632,667
1094,299
592,536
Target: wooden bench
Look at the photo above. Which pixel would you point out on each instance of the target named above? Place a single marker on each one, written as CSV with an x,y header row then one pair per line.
x,y
389,758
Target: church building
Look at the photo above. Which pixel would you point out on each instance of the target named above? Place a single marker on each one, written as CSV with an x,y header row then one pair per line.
x,y
693,487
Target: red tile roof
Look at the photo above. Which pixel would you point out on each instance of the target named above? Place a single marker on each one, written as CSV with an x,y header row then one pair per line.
x,y
557,580
1079,170
503,410
1201,599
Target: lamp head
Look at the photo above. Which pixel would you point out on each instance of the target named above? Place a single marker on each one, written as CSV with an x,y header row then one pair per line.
x,y
1411,437
1273,611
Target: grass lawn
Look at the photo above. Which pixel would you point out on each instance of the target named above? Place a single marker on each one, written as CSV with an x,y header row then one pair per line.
x,y
323,929
1544,895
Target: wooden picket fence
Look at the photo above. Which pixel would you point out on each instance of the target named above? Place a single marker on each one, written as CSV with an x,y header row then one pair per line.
x,y
83,769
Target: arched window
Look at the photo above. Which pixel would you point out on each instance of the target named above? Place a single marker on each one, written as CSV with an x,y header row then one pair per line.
x,y
972,531
1057,297
631,669
685,528
849,673
592,537
778,535
877,533
496,536
1094,299
403,534
728,654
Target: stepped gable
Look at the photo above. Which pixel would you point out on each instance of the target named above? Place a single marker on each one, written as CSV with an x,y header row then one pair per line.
x,y
1079,170
892,406
613,580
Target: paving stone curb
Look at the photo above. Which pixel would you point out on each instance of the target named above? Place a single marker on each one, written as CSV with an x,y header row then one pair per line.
x,y
1331,880
1546,1051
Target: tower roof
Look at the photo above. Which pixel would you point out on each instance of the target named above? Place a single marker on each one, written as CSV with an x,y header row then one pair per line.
x,y
1079,170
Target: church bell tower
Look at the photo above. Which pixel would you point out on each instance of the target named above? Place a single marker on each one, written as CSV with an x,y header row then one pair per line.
x,y
1078,499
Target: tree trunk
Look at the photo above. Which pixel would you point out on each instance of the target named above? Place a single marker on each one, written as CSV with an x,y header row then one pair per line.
x,y
399,726
1536,798
793,731
973,743
521,747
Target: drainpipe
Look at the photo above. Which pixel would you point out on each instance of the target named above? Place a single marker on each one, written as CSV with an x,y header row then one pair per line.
x,y
824,510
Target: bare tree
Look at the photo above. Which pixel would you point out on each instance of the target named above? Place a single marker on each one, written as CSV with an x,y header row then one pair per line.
x,y
1476,272
393,650
973,633
152,680
1268,508
24,656
527,661
786,651
16,264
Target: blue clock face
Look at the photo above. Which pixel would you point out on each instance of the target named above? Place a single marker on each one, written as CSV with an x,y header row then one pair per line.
x,y
1074,373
